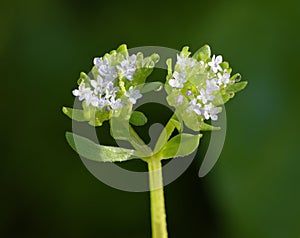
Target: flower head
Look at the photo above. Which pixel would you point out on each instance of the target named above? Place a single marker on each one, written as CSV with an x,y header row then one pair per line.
x,y
105,89
198,85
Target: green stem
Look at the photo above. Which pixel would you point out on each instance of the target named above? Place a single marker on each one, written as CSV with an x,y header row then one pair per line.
x,y
138,143
165,134
158,213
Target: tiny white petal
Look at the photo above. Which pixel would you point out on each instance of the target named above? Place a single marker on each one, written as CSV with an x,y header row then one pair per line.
x,y
196,107
94,83
133,95
219,59
75,92
178,80
211,85
215,63
97,61
128,67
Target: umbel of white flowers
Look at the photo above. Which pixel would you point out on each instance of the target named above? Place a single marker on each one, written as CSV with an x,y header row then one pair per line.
x,y
112,86
201,98
198,85
102,91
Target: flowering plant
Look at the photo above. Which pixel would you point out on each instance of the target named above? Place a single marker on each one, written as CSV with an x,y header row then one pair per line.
x,y
196,87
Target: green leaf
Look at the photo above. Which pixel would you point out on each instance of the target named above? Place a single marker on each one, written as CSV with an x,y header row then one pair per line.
x,y
169,65
229,93
185,51
119,123
236,87
138,118
203,53
95,116
155,58
99,153
74,114
206,127
177,124
167,132
141,74
199,79
83,78
224,65
180,146
191,120
145,67
153,86
236,78
99,117
168,88
123,50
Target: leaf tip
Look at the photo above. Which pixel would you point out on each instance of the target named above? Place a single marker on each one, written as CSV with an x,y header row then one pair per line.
x,y
64,110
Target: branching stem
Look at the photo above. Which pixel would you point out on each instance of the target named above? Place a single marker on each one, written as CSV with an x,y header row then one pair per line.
x,y
158,212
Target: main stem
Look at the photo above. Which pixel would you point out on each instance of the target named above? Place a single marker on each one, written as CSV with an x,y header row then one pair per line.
x,y
158,213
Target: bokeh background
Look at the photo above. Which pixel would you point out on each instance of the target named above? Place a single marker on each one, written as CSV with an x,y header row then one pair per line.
x,y
253,191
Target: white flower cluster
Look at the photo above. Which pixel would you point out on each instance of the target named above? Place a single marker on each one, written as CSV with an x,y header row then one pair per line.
x,y
198,83
101,92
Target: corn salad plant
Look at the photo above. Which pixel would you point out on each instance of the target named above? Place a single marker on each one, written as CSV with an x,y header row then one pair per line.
x,y
196,86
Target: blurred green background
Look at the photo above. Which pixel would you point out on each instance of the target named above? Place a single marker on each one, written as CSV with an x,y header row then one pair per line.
x,y
253,191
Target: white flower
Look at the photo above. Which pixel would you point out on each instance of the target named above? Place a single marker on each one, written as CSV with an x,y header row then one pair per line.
x,y
99,85
98,61
82,92
133,95
205,96
105,69
93,100
211,112
179,99
115,104
202,63
183,62
211,85
128,67
178,80
196,107
110,90
103,102
215,63
223,79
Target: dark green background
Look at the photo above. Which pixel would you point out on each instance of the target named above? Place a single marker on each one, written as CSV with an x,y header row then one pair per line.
x,y
253,191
